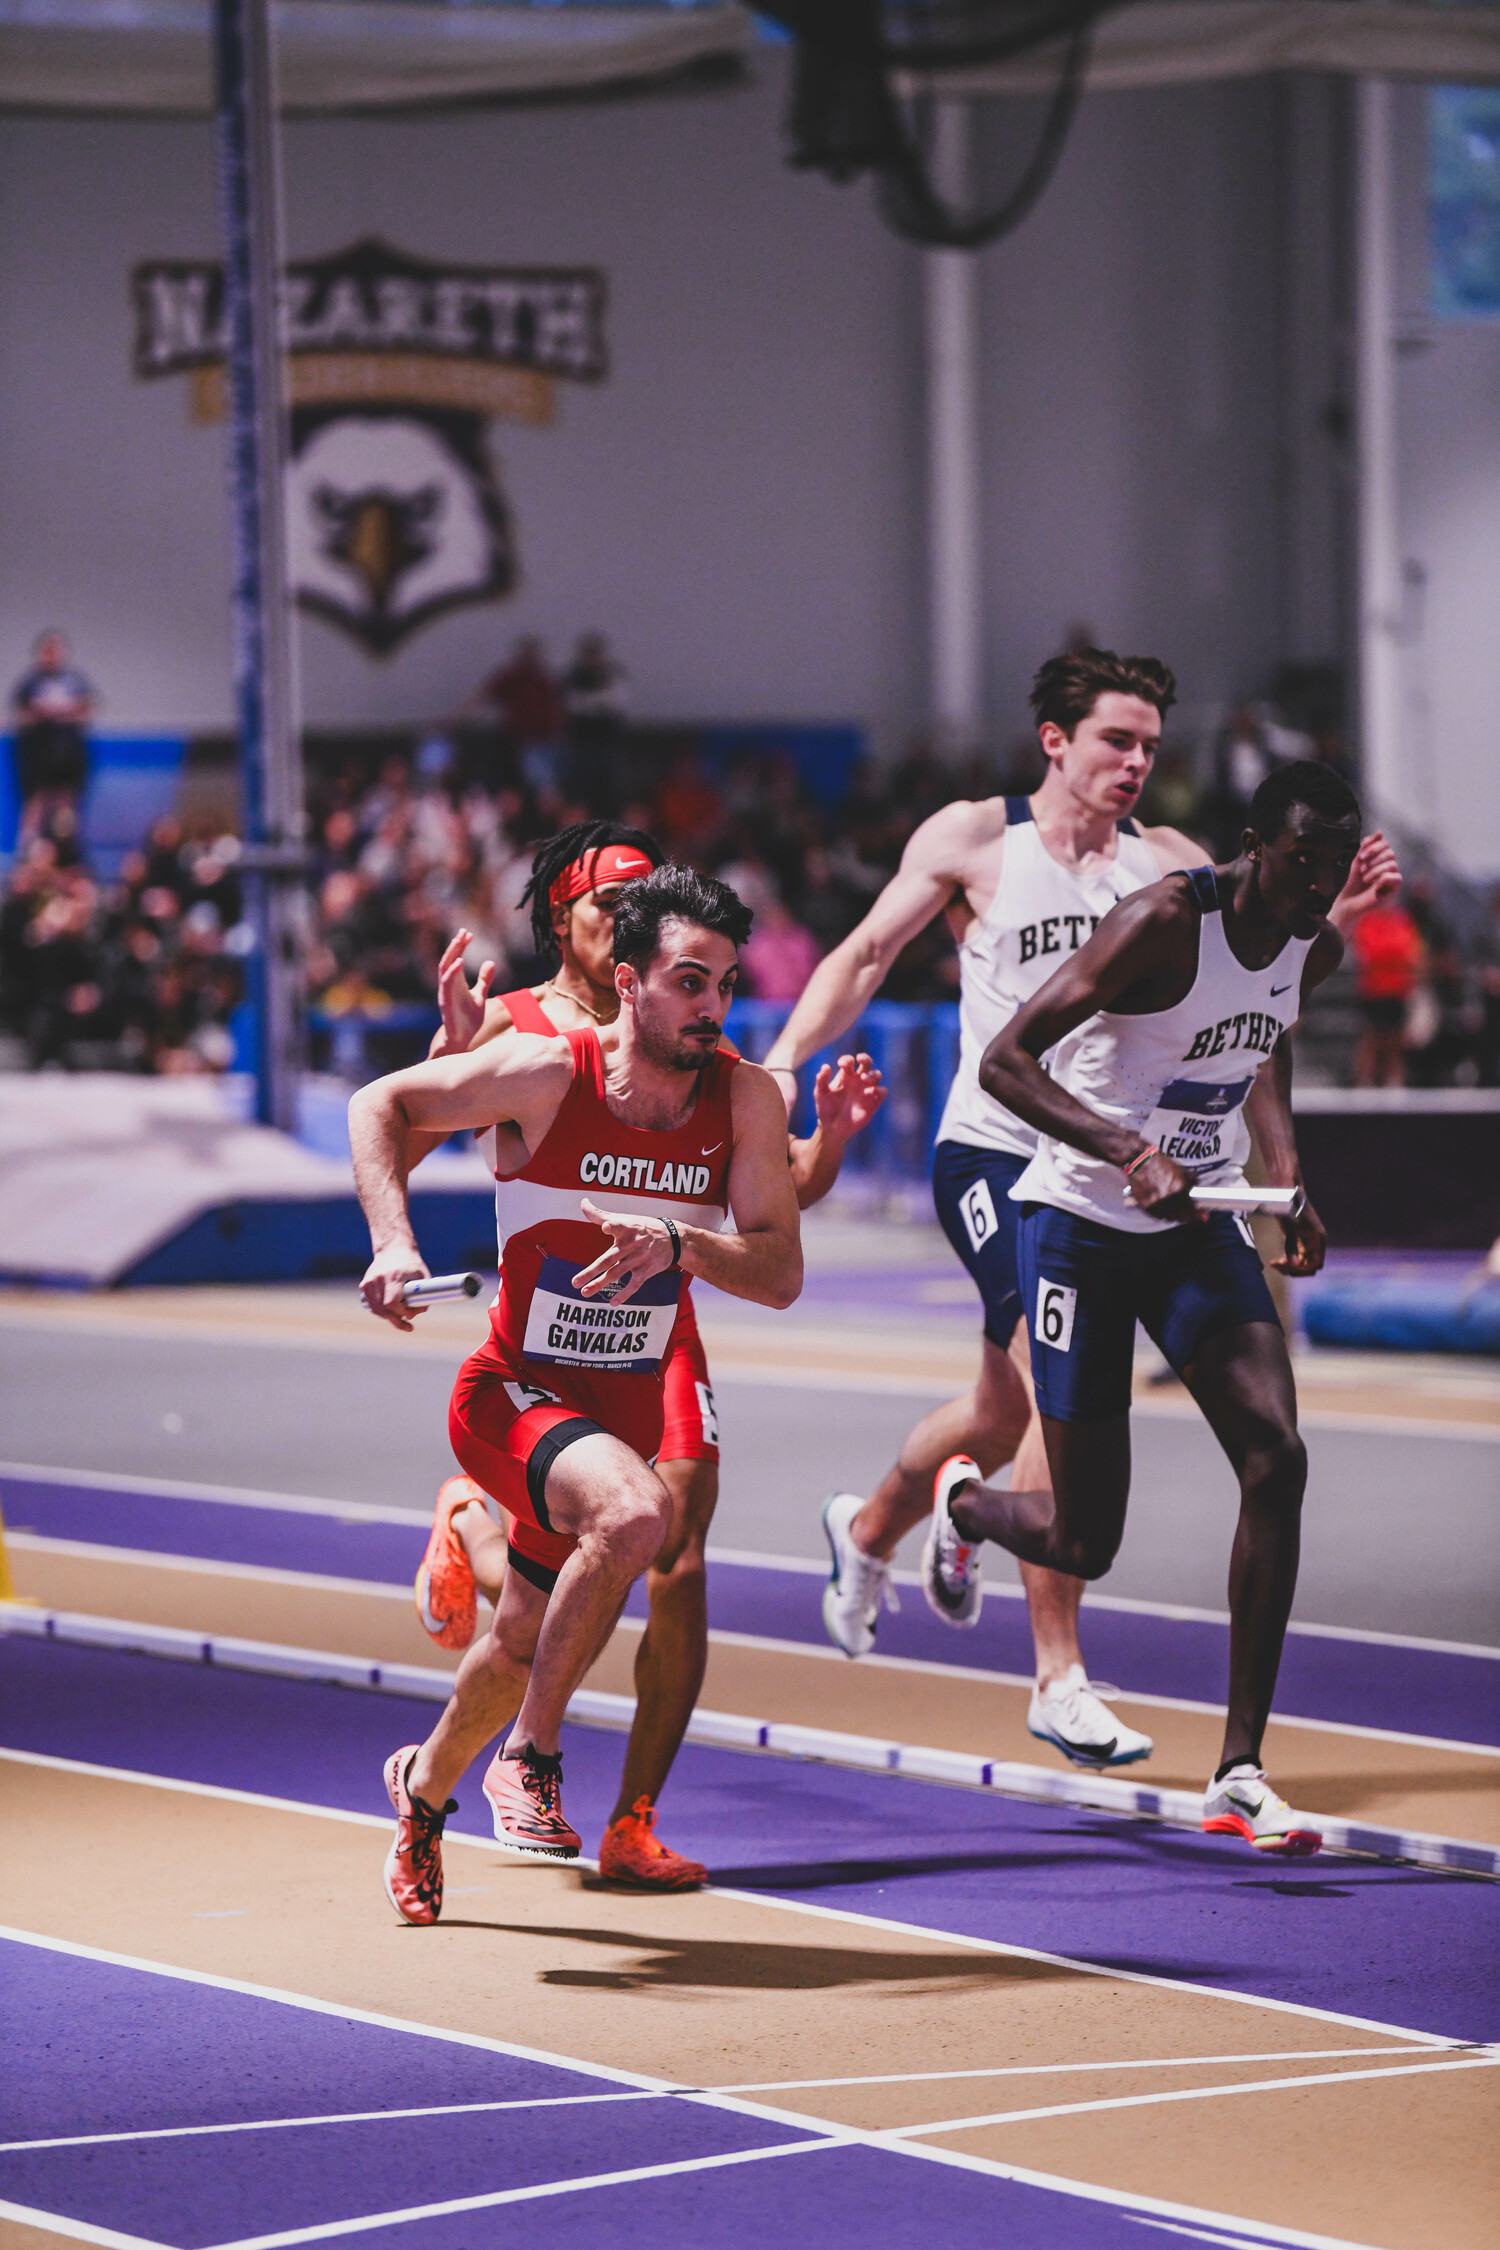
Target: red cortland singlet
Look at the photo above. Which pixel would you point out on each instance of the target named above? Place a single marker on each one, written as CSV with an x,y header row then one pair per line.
x,y
553,1356
690,1428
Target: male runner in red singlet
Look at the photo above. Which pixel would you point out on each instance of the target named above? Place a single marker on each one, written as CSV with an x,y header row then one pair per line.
x,y
559,1412
576,880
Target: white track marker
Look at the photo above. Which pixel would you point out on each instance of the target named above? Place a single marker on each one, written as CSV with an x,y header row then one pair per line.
x,y
1190,2094
295,2235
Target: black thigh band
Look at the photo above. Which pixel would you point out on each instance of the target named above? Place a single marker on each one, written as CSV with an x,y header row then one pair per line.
x,y
537,1572
545,1452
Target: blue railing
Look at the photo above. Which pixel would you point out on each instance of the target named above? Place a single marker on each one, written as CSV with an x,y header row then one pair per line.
x,y
914,1045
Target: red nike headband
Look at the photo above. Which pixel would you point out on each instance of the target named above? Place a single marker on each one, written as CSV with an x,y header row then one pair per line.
x,y
608,863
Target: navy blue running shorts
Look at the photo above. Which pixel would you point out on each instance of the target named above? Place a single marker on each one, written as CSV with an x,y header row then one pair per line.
x,y
1084,1287
971,1188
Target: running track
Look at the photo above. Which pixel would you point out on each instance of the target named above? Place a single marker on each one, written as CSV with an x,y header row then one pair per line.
x,y
1371,1940
1448,1694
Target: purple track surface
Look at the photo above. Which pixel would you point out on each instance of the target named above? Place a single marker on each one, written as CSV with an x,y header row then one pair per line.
x,y
1414,1691
1396,1944
96,2047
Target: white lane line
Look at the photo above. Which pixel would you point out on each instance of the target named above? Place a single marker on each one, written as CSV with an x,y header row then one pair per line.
x,y
293,2235
856,1920
635,2079
76,2230
759,2086
718,1636
341,2117
931,1669
232,1495
1190,2094
1199,2234
767,1899
1117,2199
1057,2070
1175,1612
365,1511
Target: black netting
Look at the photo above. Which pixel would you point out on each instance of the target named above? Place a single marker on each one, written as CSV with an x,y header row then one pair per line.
x,y
863,101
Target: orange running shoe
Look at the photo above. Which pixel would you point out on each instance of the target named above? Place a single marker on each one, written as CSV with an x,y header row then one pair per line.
x,y
414,1863
633,1853
525,1792
447,1599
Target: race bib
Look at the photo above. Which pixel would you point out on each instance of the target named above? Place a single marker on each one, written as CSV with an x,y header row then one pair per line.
x,y
591,1332
1195,1124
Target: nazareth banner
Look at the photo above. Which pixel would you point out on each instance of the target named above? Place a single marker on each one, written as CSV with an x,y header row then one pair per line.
x,y
395,365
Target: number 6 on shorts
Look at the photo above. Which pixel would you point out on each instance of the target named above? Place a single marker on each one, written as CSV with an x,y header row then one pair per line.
x,y
1055,1307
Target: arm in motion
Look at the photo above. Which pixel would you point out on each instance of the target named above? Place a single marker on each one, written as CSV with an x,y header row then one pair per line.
x,y
762,1258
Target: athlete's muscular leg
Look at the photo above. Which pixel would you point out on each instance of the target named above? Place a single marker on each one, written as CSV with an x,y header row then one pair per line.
x,y
487,1693
484,1543
603,1495
987,1422
1242,1379
1075,1527
673,1652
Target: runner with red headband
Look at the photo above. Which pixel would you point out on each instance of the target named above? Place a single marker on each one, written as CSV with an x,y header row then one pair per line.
x,y
577,878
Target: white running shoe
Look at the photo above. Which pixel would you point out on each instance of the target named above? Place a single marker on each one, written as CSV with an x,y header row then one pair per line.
x,y
950,1564
1245,1804
1073,1716
857,1584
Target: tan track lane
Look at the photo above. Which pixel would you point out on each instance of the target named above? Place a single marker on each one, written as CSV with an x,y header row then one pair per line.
x,y
721,1990
1392,1784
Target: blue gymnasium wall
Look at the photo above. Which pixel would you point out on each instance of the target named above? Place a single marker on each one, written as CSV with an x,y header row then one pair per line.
x,y
133,781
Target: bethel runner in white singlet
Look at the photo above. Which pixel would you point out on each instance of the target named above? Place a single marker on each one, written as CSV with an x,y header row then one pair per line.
x,y
1179,1076
1040,913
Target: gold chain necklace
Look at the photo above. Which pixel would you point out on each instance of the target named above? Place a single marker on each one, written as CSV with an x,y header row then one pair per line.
x,y
549,986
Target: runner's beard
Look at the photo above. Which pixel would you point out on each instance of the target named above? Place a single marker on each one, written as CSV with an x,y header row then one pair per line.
x,y
671,1050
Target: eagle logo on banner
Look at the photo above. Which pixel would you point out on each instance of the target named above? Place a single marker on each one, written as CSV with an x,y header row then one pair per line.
x,y
396,366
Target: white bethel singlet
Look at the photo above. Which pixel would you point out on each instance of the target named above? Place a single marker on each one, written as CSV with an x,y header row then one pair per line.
x,y
1040,913
1178,1077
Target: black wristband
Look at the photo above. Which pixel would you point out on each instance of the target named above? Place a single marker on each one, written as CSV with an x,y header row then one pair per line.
x,y
671,1227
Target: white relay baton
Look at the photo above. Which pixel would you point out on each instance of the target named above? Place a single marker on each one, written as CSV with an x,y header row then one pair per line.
x,y
439,1287
1281,1203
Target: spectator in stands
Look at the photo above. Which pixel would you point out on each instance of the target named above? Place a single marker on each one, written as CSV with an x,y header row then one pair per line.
x,y
596,706
523,697
51,706
779,955
1389,958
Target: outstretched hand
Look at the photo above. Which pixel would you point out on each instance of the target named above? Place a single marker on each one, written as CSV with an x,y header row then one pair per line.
x,y
846,1096
638,1248
1374,877
462,1006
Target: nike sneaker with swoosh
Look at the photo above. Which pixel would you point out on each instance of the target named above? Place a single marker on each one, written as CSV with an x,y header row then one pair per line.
x,y
857,1584
1073,1716
1245,1804
951,1577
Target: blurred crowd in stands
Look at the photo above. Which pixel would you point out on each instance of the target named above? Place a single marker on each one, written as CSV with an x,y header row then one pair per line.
x,y
145,971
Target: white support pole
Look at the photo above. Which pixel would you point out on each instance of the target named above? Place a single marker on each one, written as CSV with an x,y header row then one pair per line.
x,y
1380,600
951,290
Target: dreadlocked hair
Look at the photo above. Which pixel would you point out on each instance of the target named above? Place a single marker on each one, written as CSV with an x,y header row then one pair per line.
x,y
560,851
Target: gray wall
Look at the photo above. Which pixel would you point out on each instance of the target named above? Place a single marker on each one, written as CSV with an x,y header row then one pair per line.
x,y
741,504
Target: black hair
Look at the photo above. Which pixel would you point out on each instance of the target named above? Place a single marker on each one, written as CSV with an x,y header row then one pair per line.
x,y
1301,782
675,894
1066,688
560,851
